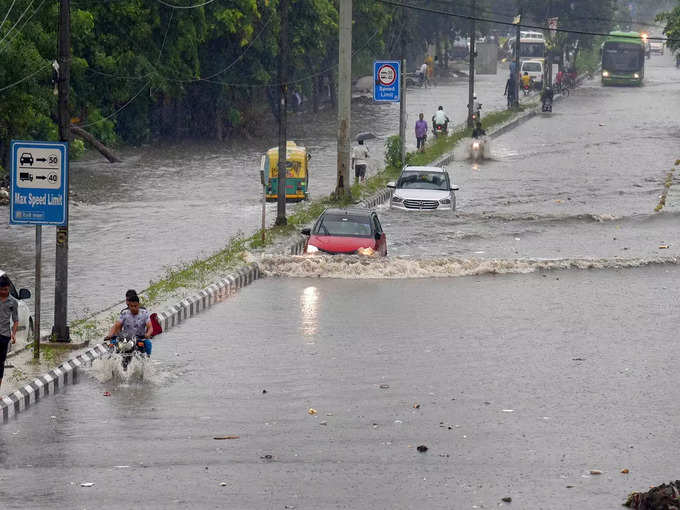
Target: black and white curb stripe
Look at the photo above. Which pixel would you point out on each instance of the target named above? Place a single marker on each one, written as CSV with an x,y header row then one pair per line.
x,y
376,199
46,384
67,373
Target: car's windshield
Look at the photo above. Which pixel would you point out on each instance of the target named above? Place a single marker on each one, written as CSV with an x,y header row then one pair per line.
x,y
531,67
424,180
343,225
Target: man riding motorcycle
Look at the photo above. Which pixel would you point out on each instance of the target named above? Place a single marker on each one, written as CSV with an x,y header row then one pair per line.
x,y
547,99
135,321
478,131
440,121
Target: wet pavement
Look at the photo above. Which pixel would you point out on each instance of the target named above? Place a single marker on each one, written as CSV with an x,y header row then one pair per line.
x,y
167,205
519,385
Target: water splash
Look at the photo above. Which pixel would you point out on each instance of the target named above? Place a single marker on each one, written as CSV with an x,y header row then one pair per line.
x,y
355,267
139,370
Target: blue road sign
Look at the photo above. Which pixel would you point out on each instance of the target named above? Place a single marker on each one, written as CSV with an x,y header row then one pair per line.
x,y
39,183
386,80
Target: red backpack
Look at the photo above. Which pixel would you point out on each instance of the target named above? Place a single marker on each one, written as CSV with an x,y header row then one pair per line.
x,y
156,328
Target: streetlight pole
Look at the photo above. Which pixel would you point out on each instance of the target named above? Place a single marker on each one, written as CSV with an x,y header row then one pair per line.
x,y
283,115
344,99
60,330
517,48
471,81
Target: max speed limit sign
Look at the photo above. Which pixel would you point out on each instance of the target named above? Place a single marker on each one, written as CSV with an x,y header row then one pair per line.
x,y
386,80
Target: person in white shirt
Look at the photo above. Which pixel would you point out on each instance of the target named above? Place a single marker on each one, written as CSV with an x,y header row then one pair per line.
x,y
440,119
359,161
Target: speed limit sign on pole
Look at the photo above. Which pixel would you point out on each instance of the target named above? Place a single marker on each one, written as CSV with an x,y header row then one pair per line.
x,y
386,80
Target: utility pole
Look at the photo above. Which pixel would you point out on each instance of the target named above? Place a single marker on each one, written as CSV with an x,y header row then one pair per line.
x,y
283,114
517,48
344,99
402,90
60,330
471,81
549,71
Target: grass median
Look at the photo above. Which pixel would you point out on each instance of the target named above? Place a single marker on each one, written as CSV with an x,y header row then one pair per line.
x,y
188,278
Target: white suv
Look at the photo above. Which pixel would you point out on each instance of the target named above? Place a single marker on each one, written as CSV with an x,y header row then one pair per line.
x,y
25,330
423,188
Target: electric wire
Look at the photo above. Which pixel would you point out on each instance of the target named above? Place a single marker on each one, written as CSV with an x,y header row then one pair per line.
x,y
132,99
17,22
8,11
11,85
18,32
508,23
174,6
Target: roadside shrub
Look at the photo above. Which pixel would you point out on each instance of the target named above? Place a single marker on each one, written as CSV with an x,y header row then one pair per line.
x,y
393,151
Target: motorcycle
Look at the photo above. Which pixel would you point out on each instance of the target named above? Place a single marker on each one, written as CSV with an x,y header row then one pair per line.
x,y
127,347
477,149
526,88
546,106
439,130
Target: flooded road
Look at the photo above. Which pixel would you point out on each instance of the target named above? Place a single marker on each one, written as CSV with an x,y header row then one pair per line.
x,y
518,385
165,205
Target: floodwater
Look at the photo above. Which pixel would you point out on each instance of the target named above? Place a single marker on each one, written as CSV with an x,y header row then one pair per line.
x,y
315,393
165,205
544,349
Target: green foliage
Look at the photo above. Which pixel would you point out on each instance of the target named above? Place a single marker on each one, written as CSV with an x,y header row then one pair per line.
x,y
393,151
672,27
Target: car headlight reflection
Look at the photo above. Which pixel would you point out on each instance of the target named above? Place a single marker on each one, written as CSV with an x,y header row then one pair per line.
x,y
397,199
636,75
605,74
312,249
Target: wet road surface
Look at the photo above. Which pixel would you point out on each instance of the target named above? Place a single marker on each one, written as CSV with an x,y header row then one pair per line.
x,y
166,205
517,384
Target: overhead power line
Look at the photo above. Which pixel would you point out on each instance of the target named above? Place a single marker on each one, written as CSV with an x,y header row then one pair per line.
x,y
8,11
17,22
174,6
18,32
508,23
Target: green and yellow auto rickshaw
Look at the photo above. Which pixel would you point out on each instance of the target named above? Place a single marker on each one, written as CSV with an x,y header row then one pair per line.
x,y
297,173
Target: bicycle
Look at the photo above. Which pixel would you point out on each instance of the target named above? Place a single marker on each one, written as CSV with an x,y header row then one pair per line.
x,y
561,88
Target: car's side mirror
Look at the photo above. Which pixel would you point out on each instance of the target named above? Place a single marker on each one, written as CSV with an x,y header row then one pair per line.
x,y
306,232
392,185
309,156
24,293
455,187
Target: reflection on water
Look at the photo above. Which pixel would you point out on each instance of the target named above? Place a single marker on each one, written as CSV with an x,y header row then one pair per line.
x,y
309,311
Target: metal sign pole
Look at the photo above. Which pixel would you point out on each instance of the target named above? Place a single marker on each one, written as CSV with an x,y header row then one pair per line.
x,y
36,324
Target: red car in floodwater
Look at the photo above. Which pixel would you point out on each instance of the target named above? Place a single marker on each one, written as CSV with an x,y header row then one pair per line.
x,y
347,231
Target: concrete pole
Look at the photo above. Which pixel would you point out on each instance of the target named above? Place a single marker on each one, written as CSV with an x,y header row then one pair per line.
x,y
36,294
471,80
60,330
517,68
283,114
402,88
344,99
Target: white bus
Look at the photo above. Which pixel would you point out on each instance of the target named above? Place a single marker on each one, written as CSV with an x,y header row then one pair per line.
x,y
531,46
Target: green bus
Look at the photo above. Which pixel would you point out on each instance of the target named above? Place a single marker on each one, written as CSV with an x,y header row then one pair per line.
x,y
623,59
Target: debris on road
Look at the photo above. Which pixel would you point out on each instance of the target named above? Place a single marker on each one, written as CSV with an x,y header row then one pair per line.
x,y
625,471
87,484
595,472
416,406
107,393
264,391
323,422
311,411
384,386
663,497
507,499
219,438
223,484
422,448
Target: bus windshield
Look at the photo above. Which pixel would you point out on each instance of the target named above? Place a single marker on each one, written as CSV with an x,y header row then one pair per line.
x,y
531,49
623,57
